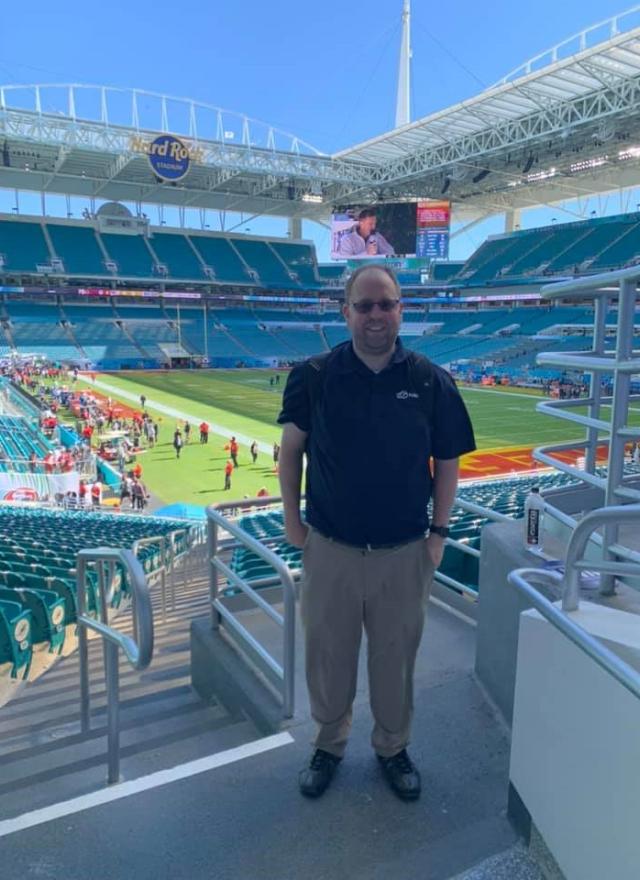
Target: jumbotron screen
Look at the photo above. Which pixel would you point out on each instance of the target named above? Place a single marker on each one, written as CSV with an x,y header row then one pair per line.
x,y
374,231
395,229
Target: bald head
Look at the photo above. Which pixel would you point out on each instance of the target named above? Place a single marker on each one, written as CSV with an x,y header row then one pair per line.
x,y
358,280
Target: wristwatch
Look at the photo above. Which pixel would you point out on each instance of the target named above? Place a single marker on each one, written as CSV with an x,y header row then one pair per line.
x,y
442,531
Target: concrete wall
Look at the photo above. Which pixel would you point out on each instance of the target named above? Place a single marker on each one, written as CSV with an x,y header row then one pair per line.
x,y
575,754
500,606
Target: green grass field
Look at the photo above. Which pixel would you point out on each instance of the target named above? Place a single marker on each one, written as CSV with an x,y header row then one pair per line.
x,y
242,402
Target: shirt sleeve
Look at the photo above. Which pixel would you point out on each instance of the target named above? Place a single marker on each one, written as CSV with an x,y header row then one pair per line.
x,y
295,400
383,245
452,432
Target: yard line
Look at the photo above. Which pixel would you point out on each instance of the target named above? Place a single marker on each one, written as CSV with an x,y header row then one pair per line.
x,y
182,416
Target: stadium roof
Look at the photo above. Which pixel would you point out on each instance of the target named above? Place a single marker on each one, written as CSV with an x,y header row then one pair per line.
x,y
564,125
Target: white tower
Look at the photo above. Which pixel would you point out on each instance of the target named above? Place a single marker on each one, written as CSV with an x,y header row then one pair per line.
x,y
403,100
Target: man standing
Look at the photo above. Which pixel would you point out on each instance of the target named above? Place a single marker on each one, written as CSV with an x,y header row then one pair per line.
x,y
370,416
363,240
233,451
228,470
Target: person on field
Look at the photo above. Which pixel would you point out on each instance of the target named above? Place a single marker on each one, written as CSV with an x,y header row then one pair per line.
x,y
254,451
276,456
177,442
233,451
96,494
187,432
382,429
204,432
228,470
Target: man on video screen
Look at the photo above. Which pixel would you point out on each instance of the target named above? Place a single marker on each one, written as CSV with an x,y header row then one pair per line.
x,y
363,240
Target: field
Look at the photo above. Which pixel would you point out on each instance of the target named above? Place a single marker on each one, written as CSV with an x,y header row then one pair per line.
x,y
243,403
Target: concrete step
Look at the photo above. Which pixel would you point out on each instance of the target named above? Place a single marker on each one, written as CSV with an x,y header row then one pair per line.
x,y
512,864
82,778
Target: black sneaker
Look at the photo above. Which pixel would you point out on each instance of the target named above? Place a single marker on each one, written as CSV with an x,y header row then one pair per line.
x,y
402,775
314,779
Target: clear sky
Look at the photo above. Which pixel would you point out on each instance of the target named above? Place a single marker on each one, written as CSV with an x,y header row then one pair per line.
x,y
325,71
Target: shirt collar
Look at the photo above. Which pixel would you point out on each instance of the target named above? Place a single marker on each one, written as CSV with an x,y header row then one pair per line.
x,y
350,362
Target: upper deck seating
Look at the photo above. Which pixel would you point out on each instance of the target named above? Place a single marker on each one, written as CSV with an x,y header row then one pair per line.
x,y
300,258
78,249
175,252
23,246
131,255
218,253
262,259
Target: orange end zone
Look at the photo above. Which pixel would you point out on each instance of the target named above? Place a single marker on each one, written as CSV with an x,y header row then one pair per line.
x,y
513,460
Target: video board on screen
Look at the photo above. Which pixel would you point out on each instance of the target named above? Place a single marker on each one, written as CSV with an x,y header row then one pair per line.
x,y
365,231
433,220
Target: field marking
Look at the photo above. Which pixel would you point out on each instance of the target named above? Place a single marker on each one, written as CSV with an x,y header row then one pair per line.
x,y
503,393
144,783
221,430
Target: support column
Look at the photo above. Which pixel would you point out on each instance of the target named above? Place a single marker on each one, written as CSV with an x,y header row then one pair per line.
x,y
511,220
295,228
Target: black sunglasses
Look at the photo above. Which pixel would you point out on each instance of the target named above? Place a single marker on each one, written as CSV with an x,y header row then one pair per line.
x,y
366,306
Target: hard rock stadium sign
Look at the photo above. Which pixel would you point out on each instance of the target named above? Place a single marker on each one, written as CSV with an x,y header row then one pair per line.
x,y
169,156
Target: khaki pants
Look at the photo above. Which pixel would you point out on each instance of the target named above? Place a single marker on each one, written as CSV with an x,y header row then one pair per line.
x,y
344,589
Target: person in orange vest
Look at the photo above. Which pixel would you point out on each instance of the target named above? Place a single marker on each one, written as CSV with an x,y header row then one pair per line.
x,y
233,451
228,470
96,494
137,470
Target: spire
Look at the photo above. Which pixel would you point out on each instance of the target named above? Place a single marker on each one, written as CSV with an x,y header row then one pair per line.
x,y
403,100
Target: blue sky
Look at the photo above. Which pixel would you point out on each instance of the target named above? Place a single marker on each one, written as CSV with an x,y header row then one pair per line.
x,y
326,72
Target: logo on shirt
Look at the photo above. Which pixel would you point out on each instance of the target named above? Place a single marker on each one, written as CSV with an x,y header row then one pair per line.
x,y
404,395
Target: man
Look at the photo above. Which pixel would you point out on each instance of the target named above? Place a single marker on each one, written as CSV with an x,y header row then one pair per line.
x,y
233,451
254,451
363,240
228,470
369,416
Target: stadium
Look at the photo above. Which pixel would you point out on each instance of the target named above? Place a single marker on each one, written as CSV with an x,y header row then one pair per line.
x,y
151,660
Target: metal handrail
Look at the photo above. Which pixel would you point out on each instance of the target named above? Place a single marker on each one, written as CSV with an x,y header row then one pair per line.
x,y
577,546
621,671
161,542
138,652
283,677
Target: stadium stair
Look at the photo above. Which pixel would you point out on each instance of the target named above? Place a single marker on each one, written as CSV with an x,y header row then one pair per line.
x,y
44,757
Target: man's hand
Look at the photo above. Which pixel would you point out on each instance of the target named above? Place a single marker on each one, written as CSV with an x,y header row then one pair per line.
x,y
435,549
296,533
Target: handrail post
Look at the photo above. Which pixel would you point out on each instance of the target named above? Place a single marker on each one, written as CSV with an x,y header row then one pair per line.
x,y
139,653
83,652
112,675
212,551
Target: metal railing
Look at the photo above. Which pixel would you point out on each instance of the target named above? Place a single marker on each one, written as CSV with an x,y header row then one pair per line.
x,y
138,650
622,364
569,585
282,677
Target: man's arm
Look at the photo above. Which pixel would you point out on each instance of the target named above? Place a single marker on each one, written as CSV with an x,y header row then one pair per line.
x,y
292,449
445,484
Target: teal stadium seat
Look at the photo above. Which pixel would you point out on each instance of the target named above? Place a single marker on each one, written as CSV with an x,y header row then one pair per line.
x,y
15,637
23,246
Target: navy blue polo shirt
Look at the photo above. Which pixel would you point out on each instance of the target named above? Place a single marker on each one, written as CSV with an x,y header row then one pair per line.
x,y
369,444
